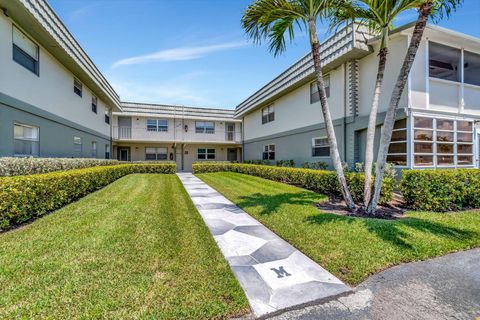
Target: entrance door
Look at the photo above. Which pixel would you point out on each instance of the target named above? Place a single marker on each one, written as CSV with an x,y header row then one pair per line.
x,y
124,154
232,154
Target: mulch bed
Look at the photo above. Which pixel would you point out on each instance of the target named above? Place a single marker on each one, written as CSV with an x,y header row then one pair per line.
x,y
391,211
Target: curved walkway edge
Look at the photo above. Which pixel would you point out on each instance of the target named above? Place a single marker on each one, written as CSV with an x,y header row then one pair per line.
x,y
274,275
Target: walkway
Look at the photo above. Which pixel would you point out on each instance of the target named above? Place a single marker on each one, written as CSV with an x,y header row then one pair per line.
x,y
274,275
442,288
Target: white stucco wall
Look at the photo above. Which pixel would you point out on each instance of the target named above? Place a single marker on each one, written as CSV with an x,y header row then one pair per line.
x,y
52,90
176,130
293,110
368,67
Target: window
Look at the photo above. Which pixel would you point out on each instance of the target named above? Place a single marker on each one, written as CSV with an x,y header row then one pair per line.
x,y
442,142
107,117
156,154
26,140
107,151
320,147
444,62
157,125
94,149
471,73
94,104
77,144
205,154
25,51
77,87
205,127
269,152
268,114
397,151
314,95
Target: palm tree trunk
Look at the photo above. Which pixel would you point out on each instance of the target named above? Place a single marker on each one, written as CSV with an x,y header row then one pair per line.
x,y
424,13
372,124
334,154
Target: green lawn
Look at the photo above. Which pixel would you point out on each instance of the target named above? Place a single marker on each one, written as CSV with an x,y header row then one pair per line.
x,y
350,248
136,249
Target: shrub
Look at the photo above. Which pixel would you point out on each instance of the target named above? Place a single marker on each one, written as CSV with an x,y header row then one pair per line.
x,y
21,166
320,181
285,163
441,190
319,165
264,162
26,197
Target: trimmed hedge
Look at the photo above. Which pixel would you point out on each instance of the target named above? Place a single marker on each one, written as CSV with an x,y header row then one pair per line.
x,y
12,166
321,181
23,198
441,190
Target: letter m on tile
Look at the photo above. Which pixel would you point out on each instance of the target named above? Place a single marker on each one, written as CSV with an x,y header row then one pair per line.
x,y
280,272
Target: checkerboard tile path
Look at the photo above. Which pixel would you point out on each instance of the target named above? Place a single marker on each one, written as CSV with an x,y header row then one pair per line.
x,y
273,274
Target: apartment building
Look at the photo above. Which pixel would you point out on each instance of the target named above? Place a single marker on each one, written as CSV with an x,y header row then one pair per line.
x,y
54,102
176,133
438,118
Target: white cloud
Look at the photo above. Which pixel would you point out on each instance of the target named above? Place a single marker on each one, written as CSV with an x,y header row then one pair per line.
x,y
174,91
179,54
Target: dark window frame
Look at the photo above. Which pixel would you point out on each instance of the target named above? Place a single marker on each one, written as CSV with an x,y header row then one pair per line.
x,y
94,104
18,53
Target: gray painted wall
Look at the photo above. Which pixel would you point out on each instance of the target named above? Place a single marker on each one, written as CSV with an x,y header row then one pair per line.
x,y
56,134
297,144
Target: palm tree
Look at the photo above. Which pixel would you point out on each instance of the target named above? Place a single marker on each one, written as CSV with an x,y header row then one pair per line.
x,y
273,20
378,16
435,9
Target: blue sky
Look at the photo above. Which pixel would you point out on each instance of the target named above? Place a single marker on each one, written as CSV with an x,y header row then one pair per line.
x,y
190,52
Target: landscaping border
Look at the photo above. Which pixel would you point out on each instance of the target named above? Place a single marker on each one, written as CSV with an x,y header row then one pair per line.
x,y
321,181
23,198
441,190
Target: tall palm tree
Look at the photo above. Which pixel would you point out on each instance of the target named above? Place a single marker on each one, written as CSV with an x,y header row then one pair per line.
x,y
435,9
273,20
378,16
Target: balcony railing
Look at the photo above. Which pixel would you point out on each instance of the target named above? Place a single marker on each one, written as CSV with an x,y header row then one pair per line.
x,y
178,135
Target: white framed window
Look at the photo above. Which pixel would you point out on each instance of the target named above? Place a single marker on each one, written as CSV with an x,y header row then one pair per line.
x,y
442,142
94,104
444,62
94,149
206,154
77,144
25,51
320,147
314,95
156,154
268,114
268,152
159,125
107,117
26,140
205,127
77,87
397,150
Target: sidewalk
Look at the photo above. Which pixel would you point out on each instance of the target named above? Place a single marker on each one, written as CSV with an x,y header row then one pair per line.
x,y
274,275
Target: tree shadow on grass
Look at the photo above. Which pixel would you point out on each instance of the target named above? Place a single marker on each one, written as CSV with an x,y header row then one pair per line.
x,y
271,203
392,231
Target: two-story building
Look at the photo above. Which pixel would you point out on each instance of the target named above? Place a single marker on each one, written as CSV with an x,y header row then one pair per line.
x,y
176,133
437,120
54,102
